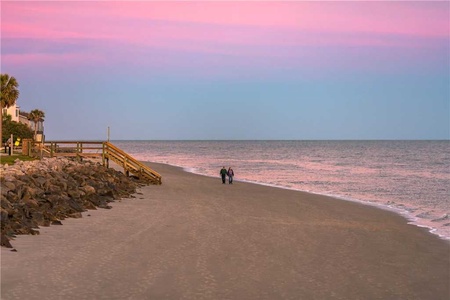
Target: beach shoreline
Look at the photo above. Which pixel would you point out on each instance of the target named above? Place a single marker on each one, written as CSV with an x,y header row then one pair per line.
x,y
406,214
194,238
408,176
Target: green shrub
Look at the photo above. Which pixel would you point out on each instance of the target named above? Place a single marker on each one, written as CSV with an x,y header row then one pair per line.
x,y
11,159
16,129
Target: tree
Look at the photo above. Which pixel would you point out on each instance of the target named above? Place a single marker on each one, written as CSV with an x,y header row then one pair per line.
x,y
15,128
36,116
9,94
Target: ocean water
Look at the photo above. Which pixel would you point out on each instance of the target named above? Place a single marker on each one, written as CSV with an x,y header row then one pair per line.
x,y
409,177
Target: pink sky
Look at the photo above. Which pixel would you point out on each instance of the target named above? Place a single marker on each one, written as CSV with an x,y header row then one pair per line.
x,y
246,29
390,58
107,19
385,17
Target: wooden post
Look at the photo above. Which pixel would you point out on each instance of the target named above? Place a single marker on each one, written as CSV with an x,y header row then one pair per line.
x,y
107,155
51,149
103,153
78,151
11,144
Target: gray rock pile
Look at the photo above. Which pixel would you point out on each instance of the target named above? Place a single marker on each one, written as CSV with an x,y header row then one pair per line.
x,y
41,193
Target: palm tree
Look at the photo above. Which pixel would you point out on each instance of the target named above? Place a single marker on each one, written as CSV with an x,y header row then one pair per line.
x,y
36,116
8,96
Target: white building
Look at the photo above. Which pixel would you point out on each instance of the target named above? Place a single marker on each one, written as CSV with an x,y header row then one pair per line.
x,y
13,111
22,117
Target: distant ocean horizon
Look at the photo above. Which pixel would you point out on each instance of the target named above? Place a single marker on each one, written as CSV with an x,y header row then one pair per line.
x,y
410,177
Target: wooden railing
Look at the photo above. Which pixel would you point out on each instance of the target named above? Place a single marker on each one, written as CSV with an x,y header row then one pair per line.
x,y
78,149
104,150
130,164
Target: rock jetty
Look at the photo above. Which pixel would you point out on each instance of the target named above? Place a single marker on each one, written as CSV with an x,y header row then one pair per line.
x,y
44,192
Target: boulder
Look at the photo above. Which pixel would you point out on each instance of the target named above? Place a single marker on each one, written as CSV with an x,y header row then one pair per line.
x,y
40,193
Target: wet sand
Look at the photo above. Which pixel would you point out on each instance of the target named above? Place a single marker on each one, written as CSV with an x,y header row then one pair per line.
x,y
195,238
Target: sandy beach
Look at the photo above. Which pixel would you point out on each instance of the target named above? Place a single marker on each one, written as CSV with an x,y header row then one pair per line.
x,y
195,238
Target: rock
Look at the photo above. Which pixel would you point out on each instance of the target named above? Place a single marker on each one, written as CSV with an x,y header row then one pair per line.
x,y
106,193
40,181
53,189
89,190
5,241
7,186
75,205
39,218
75,215
74,194
3,216
31,202
42,193
89,205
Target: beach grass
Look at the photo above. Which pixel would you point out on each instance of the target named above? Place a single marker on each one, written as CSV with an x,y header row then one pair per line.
x,y
12,158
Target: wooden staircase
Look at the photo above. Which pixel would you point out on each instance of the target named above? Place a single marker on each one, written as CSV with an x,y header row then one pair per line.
x,y
130,164
104,150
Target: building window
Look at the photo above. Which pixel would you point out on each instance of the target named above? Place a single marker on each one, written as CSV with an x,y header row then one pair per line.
x,y
17,112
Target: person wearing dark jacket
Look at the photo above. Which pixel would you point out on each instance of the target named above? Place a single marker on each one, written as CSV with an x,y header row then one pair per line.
x,y
223,173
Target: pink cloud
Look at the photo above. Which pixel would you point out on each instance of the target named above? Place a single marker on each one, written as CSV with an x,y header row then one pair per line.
x,y
47,60
380,17
259,29
69,19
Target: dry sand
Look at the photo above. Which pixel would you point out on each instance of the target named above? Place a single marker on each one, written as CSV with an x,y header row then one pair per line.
x,y
195,238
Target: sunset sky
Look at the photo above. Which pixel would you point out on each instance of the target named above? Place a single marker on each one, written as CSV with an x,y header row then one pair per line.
x,y
231,70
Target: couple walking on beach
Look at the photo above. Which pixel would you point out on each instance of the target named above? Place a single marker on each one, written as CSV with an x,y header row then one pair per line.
x,y
224,173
